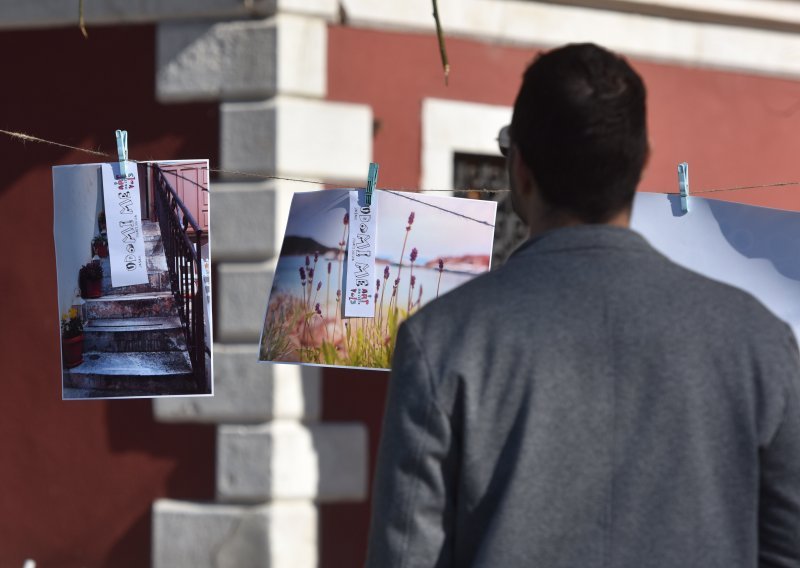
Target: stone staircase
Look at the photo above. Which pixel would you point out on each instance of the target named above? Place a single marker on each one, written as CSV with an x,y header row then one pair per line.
x,y
133,340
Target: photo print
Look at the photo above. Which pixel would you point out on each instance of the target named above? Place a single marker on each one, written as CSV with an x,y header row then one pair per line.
x,y
134,292
746,246
424,247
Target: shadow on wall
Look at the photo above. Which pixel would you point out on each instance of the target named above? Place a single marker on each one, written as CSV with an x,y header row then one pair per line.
x,y
761,232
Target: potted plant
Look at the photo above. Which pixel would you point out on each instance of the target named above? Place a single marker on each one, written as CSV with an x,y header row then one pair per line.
x,y
71,339
90,280
100,246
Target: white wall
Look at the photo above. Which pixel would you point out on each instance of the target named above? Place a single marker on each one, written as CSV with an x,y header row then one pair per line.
x,y
77,199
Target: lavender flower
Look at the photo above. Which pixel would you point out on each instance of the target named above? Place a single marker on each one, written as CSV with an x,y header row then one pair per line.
x,y
319,285
303,275
329,268
413,280
441,265
413,255
338,295
316,256
377,286
308,261
411,219
396,282
310,273
346,219
318,309
386,273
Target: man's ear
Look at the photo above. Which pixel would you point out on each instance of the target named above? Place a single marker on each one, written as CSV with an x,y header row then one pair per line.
x,y
521,172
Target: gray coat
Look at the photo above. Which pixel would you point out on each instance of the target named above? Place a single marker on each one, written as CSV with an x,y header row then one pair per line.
x,y
590,404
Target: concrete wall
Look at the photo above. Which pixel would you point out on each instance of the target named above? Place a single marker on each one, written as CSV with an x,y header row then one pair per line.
x,y
77,200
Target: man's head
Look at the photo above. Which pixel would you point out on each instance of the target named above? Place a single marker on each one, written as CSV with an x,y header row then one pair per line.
x,y
580,132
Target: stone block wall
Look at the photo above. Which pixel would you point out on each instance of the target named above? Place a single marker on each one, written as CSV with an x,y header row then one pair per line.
x,y
275,459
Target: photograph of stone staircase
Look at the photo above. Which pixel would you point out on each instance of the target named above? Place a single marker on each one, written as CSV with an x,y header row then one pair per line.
x,y
134,343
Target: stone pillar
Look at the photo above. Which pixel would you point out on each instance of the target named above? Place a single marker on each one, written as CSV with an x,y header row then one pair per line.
x,y
275,459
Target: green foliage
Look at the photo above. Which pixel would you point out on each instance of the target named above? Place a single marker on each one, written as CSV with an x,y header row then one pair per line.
x,y
71,324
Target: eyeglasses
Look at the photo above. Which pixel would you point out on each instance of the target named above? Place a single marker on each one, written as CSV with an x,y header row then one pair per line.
x,y
504,140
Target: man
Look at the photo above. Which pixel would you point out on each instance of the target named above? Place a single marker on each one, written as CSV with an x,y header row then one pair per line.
x,y
590,403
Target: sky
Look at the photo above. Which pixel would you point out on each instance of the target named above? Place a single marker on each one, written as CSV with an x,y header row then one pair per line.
x,y
436,232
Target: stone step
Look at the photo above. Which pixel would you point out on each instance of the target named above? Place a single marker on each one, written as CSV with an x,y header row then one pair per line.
x,y
151,230
168,372
125,335
159,282
148,304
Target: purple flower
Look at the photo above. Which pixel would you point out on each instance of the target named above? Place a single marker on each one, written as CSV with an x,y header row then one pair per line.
x,y
303,274
316,256
346,219
441,265
376,297
386,273
413,280
329,268
411,219
308,261
317,309
319,285
378,285
413,255
396,282
311,274
338,295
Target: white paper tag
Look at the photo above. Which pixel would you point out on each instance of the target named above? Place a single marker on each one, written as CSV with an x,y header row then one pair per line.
x,y
360,284
126,252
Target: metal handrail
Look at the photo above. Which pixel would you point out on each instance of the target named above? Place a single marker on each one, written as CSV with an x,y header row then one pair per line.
x,y
187,215
184,264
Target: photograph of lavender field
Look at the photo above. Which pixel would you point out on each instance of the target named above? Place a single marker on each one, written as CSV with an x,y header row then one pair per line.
x,y
426,246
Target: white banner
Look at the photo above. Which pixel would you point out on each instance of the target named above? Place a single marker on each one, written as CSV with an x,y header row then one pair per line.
x,y
126,248
360,283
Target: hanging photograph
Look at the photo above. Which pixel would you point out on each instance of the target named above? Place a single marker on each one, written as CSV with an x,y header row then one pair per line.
x,y
387,260
750,247
134,292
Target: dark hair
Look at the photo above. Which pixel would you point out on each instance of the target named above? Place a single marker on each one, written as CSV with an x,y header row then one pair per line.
x,y
579,124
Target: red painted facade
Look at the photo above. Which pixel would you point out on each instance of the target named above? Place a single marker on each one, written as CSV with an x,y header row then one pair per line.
x,y
733,129
78,477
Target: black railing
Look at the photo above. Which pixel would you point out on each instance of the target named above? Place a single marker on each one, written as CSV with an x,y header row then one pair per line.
x,y
183,261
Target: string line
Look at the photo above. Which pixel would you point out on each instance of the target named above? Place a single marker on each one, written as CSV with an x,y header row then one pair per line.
x,y
28,138
456,213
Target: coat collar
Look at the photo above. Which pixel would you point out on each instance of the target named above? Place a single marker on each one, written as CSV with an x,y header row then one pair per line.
x,y
583,237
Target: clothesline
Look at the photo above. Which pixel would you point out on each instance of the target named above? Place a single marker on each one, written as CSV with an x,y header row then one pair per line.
x,y
28,138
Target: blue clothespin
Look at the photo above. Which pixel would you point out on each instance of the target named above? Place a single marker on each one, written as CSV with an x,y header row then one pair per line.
x,y
683,185
372,181
122,151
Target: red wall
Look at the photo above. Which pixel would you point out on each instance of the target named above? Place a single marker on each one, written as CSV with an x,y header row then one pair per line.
x,y
78,478
733,129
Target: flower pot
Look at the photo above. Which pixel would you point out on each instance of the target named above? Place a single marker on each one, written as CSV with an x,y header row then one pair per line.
x,y
91,288
72,351
101,250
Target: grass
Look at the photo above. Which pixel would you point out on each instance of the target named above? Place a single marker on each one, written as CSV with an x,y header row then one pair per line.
x,y
298,330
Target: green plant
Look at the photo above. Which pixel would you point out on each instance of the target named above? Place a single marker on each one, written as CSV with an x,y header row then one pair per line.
x,y
71,324
90,271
